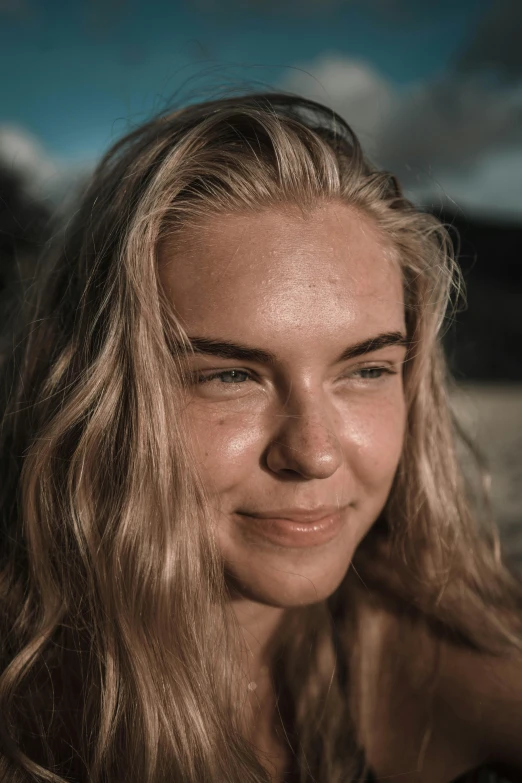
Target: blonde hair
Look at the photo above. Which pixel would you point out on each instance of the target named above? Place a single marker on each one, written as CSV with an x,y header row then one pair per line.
x,y
117,659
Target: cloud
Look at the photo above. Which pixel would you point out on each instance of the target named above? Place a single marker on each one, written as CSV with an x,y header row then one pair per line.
x,y
41,176
452,123
352,88
492,188
452,138
496,43
21,152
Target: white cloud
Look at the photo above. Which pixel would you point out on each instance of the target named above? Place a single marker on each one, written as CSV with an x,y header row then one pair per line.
x,y
40,174
493,188
20,152
455,138
452,123
352,88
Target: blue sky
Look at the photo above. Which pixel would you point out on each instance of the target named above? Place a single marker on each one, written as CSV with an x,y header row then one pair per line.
x,y
433,87
78,70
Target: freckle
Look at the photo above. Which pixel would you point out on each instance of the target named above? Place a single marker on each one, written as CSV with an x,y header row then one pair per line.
x,y
221,421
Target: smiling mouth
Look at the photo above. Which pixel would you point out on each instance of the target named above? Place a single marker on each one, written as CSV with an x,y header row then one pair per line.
x,y
295,514
295,528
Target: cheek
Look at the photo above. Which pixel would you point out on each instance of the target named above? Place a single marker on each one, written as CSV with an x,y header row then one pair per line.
x,y
229,445
373,435
226,445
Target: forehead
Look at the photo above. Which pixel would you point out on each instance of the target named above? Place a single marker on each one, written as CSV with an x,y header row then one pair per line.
x,y
283,270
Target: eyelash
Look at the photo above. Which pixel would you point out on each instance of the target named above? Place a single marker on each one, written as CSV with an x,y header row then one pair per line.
x,y
201,379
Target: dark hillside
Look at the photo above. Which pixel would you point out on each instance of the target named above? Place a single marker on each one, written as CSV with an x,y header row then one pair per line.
x,y
25,226
485,343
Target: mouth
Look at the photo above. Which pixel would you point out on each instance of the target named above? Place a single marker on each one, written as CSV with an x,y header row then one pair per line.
x,y
294,528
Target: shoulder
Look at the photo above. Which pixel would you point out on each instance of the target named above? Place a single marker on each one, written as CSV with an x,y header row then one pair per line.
x,y
393,679
429,709
482,693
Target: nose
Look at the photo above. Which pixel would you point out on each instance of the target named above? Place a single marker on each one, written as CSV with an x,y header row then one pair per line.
x,y
305,444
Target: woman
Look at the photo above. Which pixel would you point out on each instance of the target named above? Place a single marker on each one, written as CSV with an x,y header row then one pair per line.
x,y
237,544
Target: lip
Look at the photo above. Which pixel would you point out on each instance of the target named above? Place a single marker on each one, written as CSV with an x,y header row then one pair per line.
x,y
305,515
295,528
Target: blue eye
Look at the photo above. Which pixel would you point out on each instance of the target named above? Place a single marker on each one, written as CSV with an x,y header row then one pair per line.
x,y
372,373
225,376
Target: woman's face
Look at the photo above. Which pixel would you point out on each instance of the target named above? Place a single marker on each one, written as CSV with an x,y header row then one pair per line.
x,y
296,410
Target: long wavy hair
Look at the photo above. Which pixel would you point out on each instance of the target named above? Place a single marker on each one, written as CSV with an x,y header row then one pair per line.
x,y
118,652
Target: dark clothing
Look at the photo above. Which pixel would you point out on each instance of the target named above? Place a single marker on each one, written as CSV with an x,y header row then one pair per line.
x,y
481,775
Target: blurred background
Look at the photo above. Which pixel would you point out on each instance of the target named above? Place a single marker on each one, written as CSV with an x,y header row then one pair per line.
x,y
433,88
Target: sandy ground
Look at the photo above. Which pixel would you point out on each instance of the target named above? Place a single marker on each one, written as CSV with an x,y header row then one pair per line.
x,y
492,414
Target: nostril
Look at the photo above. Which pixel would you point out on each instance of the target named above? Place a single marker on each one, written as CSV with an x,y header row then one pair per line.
x,y
292,475
310,460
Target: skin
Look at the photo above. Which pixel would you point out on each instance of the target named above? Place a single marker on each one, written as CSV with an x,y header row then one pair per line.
x,y
307,430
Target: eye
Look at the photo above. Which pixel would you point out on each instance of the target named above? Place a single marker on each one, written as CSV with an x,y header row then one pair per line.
x,y
366,375
373,373
224,376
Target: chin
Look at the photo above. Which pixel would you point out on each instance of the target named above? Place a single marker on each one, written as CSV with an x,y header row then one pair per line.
x,y
287,578
288,591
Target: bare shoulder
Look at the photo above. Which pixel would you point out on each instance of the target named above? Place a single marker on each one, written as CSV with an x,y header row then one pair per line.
x,y
483,694
429,709
393,681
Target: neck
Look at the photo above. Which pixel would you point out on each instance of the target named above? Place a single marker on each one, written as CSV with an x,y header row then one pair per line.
x,y
259,624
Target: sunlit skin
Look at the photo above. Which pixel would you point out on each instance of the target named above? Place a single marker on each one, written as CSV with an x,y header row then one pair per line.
x,y
305,424
305,429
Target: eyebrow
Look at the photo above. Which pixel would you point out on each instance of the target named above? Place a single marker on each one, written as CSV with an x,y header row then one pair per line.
x,y
224,349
